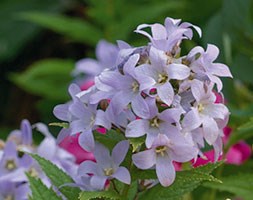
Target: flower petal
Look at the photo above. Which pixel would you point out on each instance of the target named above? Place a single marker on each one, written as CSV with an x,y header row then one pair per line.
x,y
123,175
86,140
137,128
145,159
165,170
119,152
166,93
210,130
178,71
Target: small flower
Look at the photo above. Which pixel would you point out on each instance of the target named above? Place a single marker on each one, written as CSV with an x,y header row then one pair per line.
x,y
107,167
162,154
168,36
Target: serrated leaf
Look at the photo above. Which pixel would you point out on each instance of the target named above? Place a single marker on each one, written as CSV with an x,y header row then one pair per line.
x,y
241,185
74,28
48,78
40,191
87,195
57,177
185,182
59,124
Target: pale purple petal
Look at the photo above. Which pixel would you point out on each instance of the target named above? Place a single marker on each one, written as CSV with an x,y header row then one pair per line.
x,y
178,71
123,175
197,88
26,132
129,66
64,132
118,103
219,69
102,156
102,120
140,107
119,152
137,128
157,58
62,112
47,148
210,130
217,81
106,53
212,53
151,136
88,66
98,182
86,140
77,126
166,93
145,159
78,110
219,111
73,90
165,170
88,167
191,120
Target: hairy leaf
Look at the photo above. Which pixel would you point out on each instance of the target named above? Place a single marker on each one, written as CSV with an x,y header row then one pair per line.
x,y
40,191
87,195
57,177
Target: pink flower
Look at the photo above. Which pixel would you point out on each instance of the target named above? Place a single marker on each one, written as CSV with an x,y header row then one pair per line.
x,y
236,155
70,144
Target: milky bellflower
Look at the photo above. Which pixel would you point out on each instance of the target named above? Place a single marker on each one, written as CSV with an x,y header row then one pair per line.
x,y
106,167
162,154
156,92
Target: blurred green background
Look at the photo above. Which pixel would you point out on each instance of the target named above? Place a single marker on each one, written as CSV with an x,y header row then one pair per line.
x,y
40,41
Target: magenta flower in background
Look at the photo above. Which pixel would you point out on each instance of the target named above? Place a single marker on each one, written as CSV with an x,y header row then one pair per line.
x,y
236,155
71,144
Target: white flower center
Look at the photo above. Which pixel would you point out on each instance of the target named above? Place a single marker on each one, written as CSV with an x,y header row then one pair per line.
x,y
108,171
161,150
162,78
135,86
10,165
155,122
201,107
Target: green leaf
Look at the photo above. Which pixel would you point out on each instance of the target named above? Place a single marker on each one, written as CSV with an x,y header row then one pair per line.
x,y
15,34
137,142
243,132
47,78
185,182
59,124
86,195
57,177
110,139
40,191
241,185
74,28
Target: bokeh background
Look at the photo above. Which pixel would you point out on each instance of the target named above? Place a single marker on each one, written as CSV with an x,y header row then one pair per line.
x,y
40,41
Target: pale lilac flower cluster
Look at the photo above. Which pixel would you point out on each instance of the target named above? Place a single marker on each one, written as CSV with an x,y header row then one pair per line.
x,y
14,163
150,91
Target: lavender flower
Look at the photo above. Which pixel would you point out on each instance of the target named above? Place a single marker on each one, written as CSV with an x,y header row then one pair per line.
x,y
168,36
107,167
204,112
162,72
162,154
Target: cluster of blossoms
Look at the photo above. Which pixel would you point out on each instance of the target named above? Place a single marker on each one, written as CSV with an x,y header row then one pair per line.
x,y
14,163
151,92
